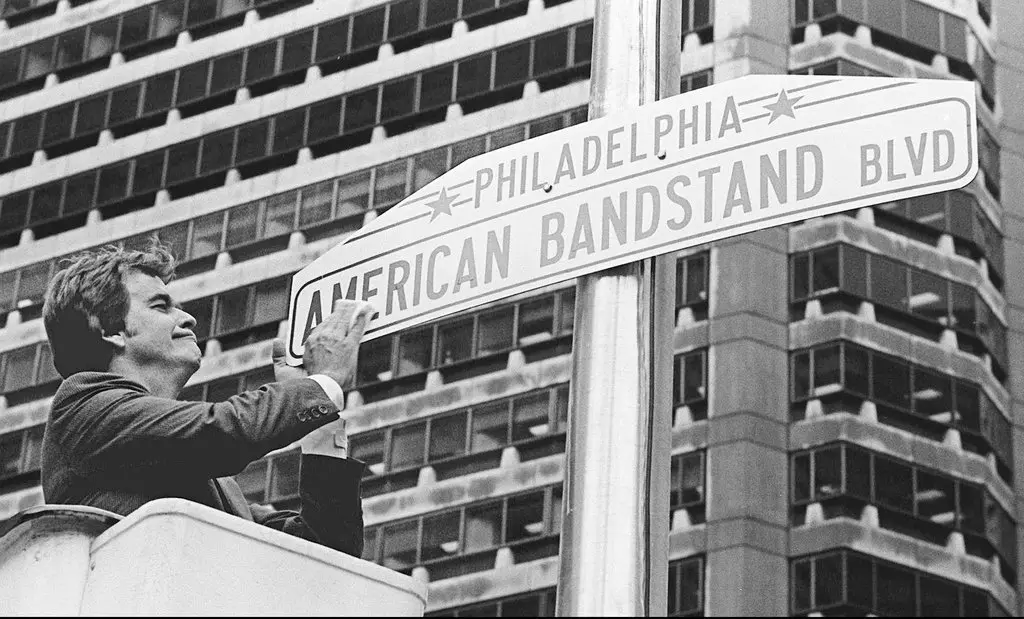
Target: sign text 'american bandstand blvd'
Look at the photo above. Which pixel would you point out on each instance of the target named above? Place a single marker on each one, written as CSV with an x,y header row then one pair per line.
x,y
745,155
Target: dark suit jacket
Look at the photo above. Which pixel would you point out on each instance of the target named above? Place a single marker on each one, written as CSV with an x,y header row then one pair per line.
x,y
110,444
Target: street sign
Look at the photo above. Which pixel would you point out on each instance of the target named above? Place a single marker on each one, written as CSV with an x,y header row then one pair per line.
x,y
737,157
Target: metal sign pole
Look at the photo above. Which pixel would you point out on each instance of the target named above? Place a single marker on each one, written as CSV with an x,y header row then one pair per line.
x,y
614,543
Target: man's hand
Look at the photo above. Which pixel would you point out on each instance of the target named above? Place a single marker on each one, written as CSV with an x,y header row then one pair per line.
x,y
330,440
283,371
333,346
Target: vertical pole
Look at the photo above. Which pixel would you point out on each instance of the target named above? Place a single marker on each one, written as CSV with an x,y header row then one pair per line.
x,y
614,544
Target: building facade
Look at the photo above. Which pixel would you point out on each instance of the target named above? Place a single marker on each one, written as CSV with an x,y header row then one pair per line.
x,y
845,390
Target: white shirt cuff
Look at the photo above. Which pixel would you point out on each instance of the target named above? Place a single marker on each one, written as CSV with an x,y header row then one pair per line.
x,y
331,388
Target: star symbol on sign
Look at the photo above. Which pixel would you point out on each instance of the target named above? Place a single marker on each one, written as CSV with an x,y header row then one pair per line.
x,y
782,107
443,204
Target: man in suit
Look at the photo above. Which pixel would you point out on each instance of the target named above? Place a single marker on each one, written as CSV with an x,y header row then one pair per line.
x,y
117,435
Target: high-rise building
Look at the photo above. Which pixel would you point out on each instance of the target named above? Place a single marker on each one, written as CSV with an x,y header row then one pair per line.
x,y
845,389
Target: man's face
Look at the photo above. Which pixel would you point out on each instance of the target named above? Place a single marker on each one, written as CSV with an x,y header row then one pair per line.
x,y
157,331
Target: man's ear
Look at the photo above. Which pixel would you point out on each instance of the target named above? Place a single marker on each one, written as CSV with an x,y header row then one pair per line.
x,y
115,339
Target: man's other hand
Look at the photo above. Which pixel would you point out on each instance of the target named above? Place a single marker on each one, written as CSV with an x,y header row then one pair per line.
x,y
333,346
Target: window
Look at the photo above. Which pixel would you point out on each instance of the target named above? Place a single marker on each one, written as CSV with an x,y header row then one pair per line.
x,y
687,479
20,452
848,583
842,375
692,281
690,383
686,587
910,499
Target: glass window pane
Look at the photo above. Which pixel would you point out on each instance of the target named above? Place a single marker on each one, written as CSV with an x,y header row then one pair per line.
x,y
280,217
175,238
113,183
963,306
353,194
361,110
801,478
550,53
546,125
828,473
243,224
455,342
440,12
297,52
441,535
826,269
124,104
401,542
933,396
407,446
828,580
399,99
92,113
32,451
688,480
935,499
495,331
428,166
45,203
206,235
374,361
891,380
149,173
856,370
467,149
389,186
200,11
70,47
57,125
34,279
271,303
181,163
368,28
226,73
217,151
801,375
826,370
289,130
7,292
192,82
260,62
855,271
506,137
232,310
490,427
896,591
802,585
435,87
474,76
252,141
928,295
168,17
525,517
894,486
135,27
19,371
38,59
512,65
447,437
536,320
14,211
530,416
696,284
403,18
694,377
888,282
583,46
567,311
315,203
483,526
325,120
26,134
332,40
860,581
414,351
368,447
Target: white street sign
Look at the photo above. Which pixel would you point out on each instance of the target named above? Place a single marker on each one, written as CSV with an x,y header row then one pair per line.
x,y
737,157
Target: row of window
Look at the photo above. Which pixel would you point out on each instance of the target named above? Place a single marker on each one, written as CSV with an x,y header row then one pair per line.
x,y
334,124
845,583
529,523
685,597
23,368
920,502
907,395
956,213
251,312
905,297
262,68
19,12
907,27
247,229
134,34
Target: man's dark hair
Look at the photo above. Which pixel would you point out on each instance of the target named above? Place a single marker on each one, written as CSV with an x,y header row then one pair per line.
x,y
87,298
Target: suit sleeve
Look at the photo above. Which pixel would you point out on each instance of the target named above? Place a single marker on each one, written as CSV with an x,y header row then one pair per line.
x,y
128,433
331,511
